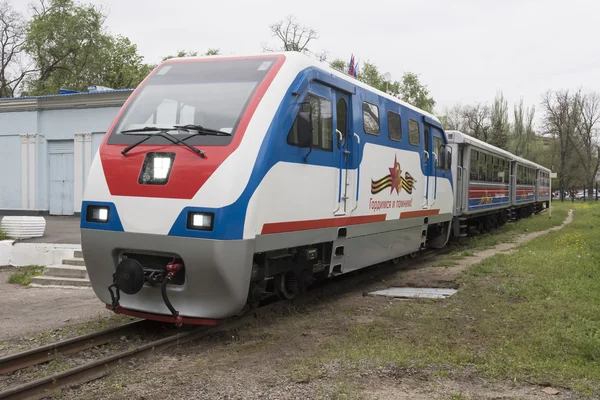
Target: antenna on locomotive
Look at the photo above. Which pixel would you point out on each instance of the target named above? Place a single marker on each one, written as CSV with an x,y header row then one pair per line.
x,y
387,78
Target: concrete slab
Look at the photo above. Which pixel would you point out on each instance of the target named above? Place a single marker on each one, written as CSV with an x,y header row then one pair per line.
x,y
412,293
74,261
66,271
59,230
53,281
21,254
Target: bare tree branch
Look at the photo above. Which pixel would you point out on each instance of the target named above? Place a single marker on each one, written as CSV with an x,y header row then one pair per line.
x,y
12,39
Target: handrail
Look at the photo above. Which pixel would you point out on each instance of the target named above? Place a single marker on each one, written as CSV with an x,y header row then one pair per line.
x,y
357,169
435,160
426,202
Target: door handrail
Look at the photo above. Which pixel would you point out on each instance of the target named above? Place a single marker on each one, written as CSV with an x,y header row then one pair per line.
x,y
426,200
357,169
434,165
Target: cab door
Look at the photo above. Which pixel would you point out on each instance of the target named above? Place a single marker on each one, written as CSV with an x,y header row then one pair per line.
x,y
428,164
342,152
438,161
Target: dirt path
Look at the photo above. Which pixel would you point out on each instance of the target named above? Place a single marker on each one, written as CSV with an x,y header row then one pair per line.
x,y
27,311
429,275
261,362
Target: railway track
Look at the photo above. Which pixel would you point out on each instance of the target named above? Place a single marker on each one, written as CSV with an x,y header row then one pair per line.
x,y
92,370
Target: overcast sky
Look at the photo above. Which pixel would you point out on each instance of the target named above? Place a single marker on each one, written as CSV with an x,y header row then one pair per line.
x,y
463,50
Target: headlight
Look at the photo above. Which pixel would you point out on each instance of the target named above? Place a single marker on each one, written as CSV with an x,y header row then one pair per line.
x,y
97,214
156,168
200,221
162,165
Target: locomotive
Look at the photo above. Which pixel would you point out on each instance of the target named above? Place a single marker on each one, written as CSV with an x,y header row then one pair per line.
x,y
226,180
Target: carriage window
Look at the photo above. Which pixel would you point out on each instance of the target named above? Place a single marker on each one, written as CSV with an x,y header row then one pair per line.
x,y
322,118
482,166
474,165
371,118
490,169
414,136
394,128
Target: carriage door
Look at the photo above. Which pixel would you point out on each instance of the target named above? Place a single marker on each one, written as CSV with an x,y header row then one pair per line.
x,y
342,154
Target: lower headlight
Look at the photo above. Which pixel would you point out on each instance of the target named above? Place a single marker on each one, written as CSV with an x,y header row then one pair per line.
x,y
97,214
201,221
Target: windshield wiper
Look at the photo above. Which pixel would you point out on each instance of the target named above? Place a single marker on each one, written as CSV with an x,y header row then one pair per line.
x,y
201,131
162,132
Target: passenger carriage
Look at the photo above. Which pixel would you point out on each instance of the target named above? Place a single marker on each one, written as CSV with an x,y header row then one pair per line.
x,y
492,185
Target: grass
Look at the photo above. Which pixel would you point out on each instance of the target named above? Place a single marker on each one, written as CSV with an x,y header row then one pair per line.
x,y
506,233
24,274
3,235
531,316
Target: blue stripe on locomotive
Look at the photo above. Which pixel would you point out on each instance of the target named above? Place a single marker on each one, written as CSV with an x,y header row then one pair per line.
x,y
229,220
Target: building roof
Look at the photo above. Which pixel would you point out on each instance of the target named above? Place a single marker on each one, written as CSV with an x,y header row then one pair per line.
x,y
95,92
92,99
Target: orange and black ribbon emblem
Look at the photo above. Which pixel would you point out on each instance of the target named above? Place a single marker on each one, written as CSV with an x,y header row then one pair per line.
x,y
394,180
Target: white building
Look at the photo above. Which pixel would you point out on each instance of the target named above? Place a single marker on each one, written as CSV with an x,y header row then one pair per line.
x,y
47,144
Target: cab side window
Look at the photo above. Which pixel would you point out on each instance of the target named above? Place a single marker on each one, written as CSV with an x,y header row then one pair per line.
x,y
322,120
414,136
371,118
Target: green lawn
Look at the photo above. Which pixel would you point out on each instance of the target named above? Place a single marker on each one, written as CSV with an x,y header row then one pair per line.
x,y
532,316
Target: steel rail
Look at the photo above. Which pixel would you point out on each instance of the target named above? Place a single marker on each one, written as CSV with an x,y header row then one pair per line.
x,y
39,355
96,369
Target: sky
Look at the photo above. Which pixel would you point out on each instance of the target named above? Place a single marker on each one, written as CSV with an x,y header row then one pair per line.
x,y
465,51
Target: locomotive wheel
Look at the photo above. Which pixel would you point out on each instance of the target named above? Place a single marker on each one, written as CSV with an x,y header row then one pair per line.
x,y
288,285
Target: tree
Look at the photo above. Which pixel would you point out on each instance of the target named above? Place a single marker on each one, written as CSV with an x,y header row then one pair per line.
x,y
499,127
454,119
409,88
586,132
522,135
119,66
414,92
478,121
183,53
71,49
561,118
13,69
295,37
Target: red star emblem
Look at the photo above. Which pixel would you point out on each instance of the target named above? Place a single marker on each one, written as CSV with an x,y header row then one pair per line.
x,y
395,173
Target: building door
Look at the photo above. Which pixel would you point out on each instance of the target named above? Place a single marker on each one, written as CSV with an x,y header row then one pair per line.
x,y
61,167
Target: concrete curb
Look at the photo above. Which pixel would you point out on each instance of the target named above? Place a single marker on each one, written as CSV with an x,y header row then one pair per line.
x,y
43,254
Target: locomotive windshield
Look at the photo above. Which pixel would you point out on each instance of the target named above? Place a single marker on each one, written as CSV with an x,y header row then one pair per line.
x,y
210,93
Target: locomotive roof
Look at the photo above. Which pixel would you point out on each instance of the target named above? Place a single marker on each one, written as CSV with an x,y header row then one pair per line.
x,y
302,61
460,137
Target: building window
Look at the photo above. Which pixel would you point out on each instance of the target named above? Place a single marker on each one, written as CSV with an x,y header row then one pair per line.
x,y
414,136
394,127
321,110
371,118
